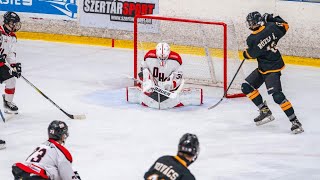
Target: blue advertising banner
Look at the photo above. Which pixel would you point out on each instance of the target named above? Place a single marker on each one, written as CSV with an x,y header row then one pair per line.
x,y
67,8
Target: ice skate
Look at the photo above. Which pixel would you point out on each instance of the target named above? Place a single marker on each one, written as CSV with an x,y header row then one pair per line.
x,y
296,127
9,107
2,144
264,117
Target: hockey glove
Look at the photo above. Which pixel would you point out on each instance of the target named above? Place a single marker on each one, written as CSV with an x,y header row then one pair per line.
x,y
147,85
267,17
76,175
246,55
16,70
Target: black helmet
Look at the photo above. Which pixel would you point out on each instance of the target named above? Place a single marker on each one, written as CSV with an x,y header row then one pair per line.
x,y
12,20
254,20
189,144
58,129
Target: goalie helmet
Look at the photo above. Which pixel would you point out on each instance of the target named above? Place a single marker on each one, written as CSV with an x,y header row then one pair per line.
x,y
189,144
162,52
58,130
254,20
11,21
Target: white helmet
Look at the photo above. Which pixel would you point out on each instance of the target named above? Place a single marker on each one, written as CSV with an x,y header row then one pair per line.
x,y
162,52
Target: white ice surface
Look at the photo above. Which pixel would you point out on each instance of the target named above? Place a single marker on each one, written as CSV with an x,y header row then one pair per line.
x,y
121,141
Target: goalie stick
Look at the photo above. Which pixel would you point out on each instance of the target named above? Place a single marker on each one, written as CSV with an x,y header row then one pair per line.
x,y
71,116
225,93
164,92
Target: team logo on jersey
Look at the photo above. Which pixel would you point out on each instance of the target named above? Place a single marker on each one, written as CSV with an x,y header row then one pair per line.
x,y
119,10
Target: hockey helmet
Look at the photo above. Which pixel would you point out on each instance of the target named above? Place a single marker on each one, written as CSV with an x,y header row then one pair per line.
x,y
162,52
12,20
57,130
254,20
189,144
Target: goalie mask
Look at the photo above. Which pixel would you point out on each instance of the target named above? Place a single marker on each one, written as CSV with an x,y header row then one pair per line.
x,y
58,130
254,20
189,144
11,22
162,52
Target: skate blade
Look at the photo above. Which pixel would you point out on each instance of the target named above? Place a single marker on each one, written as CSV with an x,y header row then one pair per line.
x,y
265,120
2,147
10,112
298,131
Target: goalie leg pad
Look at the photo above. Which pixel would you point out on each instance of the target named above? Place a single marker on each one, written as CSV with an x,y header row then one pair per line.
x,y
133,94
191,96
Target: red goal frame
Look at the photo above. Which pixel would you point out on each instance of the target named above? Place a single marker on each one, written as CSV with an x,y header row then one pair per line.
x,y
225,46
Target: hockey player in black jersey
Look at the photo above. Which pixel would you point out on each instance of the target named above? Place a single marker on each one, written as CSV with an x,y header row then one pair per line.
x,y
262,45
176,167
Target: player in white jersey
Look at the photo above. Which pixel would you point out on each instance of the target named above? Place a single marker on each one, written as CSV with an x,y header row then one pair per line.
x,y
51,160
8,40
160,69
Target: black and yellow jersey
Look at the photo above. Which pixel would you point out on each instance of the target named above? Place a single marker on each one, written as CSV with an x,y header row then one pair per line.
x,y
262,44
169,168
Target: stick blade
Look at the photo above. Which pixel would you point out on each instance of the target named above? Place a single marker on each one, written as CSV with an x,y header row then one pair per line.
x,y
80,117
211,107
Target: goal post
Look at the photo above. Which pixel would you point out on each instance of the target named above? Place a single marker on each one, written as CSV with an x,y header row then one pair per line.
x,y
202,44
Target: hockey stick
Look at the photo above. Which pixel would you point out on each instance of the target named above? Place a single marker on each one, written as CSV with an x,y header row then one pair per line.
x,y
164,92
225,93
2,117
71,116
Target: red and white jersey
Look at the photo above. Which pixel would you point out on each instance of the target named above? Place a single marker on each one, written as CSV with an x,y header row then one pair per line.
x,y
8,46
160,73
50,160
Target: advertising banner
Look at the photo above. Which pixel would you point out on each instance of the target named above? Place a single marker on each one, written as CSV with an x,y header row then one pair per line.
x,y
117,14
57,9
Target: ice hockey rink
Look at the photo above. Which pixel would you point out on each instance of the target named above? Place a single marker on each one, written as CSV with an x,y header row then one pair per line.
x,y
121,141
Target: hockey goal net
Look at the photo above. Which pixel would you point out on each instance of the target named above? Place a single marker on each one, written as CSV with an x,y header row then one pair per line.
x,y
208,49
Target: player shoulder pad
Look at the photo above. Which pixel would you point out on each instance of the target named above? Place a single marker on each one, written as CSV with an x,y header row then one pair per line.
x,y
64,151
150,54
175,56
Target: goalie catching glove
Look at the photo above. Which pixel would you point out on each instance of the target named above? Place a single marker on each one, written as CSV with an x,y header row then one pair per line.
x,y
16,70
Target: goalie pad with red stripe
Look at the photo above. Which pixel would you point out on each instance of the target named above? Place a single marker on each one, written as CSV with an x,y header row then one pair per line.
x,y
187,97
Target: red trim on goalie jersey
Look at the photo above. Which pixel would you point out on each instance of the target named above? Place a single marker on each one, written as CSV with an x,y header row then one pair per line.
x,y
62,149
172,56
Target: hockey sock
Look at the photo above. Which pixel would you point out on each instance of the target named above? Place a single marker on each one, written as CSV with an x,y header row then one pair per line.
x,y
287,108
285,105
253,94
256,98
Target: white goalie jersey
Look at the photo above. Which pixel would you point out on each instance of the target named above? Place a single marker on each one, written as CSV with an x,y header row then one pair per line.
x,y
167,75
51,161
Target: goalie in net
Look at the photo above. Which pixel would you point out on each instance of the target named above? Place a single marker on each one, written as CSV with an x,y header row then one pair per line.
x,y
161,82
